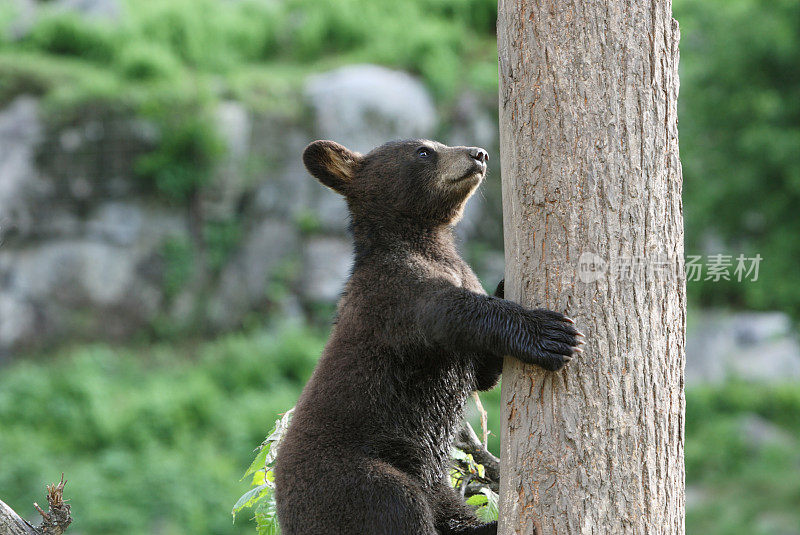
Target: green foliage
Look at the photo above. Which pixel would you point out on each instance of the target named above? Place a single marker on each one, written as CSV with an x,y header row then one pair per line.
x,y
178,256
742,481
485,504
740,133
157,40
145,61
69,34
151,440
221,238
261,497
467,471
183,159
307,222
739,110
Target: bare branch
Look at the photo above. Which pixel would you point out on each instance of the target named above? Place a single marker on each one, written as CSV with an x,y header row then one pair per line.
x,y
484,419
468,442
54,522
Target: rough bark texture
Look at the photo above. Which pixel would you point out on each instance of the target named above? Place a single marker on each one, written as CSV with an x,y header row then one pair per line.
x,y
12,524
589,156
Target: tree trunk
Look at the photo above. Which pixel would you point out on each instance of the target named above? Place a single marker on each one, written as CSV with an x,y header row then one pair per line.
x,y
594,228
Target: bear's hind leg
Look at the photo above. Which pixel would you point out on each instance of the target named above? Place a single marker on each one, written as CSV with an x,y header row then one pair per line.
x,y
395,504
455,517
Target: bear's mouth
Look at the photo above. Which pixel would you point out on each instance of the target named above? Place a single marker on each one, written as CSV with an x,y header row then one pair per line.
x,y
475,170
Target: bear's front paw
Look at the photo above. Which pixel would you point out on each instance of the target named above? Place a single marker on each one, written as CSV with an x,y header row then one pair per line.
x,y
551,339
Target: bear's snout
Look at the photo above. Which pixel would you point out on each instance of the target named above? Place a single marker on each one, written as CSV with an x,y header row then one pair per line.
x,y
477,153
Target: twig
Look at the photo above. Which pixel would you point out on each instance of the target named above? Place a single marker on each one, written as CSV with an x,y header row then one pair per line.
x,y
484,419
468,442
54,522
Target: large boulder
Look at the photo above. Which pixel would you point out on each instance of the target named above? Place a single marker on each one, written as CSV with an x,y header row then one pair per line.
x,y
283,189
245,281
362,106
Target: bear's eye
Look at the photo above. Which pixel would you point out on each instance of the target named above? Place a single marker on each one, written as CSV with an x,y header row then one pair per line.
x,y
423,152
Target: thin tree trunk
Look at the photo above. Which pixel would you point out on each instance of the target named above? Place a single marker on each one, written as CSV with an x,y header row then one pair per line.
x,y
594,228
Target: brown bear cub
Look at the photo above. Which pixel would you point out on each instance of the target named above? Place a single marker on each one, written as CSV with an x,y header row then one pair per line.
x,y
368,449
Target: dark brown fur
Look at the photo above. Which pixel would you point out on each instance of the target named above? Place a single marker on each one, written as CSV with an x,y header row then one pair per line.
x,y
368,449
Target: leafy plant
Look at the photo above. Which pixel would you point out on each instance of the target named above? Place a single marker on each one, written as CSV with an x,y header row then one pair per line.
x,y
261,498
485,504
184,158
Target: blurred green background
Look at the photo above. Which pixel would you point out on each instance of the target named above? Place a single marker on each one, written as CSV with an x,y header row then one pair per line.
x,y
161,300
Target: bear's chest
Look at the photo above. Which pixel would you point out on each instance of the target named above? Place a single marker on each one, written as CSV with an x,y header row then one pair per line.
x,y
447,270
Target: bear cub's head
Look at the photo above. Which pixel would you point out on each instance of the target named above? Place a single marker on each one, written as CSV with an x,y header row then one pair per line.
x,y
414,181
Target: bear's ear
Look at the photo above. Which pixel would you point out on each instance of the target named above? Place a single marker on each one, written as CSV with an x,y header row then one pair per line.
x,y
332,164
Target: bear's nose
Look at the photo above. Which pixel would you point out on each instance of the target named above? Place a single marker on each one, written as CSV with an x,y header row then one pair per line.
x,y
479,154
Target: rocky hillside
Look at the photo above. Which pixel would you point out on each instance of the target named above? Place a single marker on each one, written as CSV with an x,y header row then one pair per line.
x,y
90,249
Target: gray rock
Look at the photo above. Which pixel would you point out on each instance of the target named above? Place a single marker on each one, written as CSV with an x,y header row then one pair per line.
x,y
17,321
760,327
285,188
756,346
758,433
75,273
244,282
73,288
116,222
777,360
221,196
326,263
91,158
696,496
23,14
56,222
20,131
362,106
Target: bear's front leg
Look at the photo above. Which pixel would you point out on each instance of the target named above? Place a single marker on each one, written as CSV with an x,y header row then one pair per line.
x,y
490,367
468,322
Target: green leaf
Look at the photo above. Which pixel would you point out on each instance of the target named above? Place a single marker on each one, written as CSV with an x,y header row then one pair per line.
x,y
458,455
259,462
477,500
490,511
267,517
252,497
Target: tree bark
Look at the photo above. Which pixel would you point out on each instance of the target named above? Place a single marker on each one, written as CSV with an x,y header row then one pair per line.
x,y
594,228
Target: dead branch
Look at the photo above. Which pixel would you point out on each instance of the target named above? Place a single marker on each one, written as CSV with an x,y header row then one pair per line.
x,y
468,442
54,522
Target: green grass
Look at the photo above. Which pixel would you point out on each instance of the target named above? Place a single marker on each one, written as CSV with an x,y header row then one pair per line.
x,y
156,438
167,41
151,440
